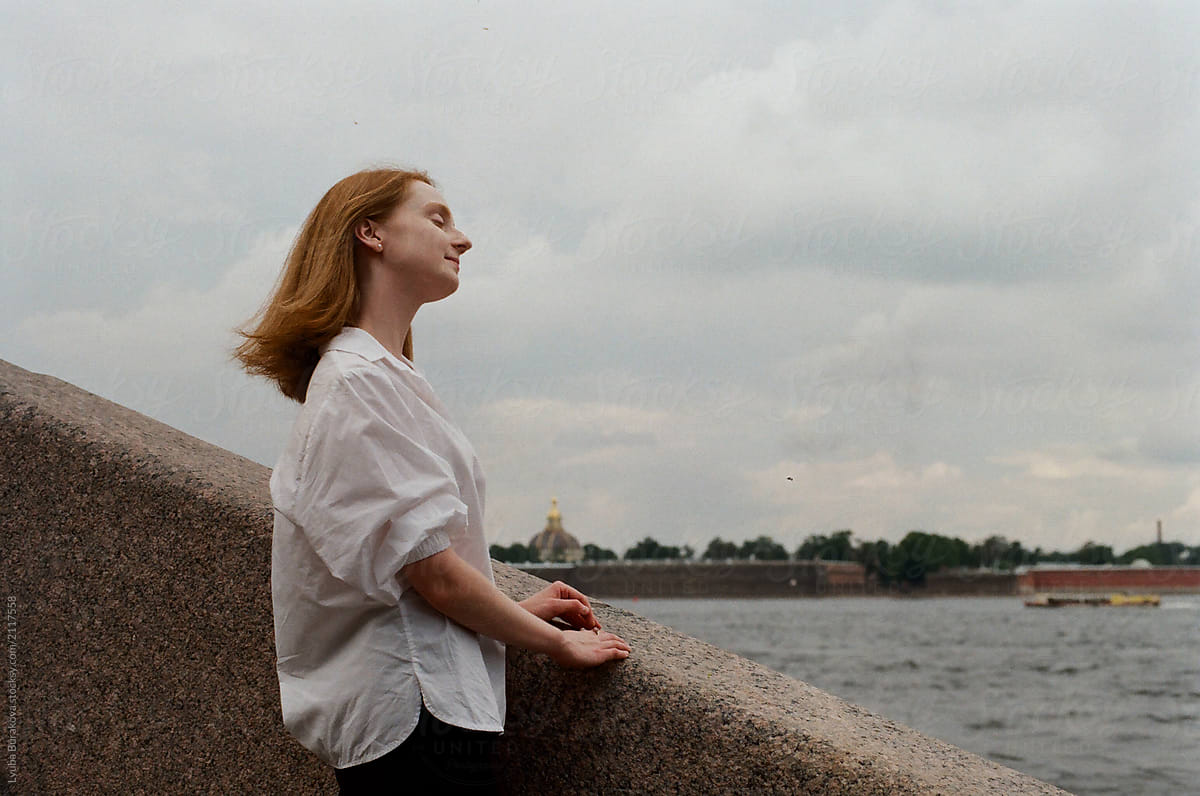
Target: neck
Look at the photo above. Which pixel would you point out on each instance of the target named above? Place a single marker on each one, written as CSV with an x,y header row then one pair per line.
x,y
387,316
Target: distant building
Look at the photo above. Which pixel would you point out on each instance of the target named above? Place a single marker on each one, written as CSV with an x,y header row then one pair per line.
x,y
554,543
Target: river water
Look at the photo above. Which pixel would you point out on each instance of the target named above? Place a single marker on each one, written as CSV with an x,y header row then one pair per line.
x,y
1096,700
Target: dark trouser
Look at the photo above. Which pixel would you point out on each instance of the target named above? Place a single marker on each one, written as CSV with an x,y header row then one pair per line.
x,y
437,758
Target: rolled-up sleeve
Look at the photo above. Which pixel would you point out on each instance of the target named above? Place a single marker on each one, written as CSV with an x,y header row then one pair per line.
x,y
370,497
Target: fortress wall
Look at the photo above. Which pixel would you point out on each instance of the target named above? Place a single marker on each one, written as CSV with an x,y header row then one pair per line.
x,y
762,579
1166,580
699,579
973,584
137,560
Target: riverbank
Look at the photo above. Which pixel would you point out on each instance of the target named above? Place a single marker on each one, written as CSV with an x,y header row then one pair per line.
x,y
848,579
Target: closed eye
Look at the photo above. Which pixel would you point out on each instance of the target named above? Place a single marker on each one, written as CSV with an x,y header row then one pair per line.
x,y
438,210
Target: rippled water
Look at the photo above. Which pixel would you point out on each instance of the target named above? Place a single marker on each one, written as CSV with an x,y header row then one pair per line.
x,y
1094,700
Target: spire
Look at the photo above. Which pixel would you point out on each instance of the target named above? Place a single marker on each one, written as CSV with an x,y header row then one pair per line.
x,y
553,517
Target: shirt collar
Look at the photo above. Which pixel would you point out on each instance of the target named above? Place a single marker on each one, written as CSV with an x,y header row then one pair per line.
x,y
359,341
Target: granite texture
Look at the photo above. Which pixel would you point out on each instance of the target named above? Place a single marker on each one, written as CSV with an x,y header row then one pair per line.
x,y
138,558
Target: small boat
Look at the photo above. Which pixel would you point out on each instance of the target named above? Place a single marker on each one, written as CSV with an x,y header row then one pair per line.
x,y
1120,598
1151,600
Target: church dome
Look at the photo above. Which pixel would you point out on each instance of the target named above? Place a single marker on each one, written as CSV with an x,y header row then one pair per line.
x,y
554,543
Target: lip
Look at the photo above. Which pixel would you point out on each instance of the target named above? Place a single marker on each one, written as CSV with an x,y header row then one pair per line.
x,y
451,259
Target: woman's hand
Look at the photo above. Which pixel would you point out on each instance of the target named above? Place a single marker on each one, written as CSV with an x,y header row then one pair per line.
x,y
453,587
560,601
581,649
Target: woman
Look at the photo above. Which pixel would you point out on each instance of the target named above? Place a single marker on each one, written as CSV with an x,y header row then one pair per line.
x,y
389,629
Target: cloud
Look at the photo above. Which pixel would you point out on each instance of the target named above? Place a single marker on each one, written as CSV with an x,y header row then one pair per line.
x,y
859,492
169,356
938,263
825,157
1068,464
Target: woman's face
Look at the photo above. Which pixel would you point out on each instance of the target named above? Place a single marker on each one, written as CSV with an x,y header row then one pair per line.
x,y
419,244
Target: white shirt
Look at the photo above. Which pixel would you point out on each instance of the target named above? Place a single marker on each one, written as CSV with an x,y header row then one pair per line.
x,y
374,476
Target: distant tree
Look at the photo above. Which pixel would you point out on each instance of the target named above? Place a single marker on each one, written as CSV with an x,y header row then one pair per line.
x,y
1164,554
687,552
1092,553
1016,556
718,549
996,552
989,553
876,560
515,553
836,547
650,549
920,553
764,548
593,552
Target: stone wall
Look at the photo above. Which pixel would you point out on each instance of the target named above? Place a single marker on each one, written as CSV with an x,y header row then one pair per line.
x,y
762,579
965,583
137,560
698,579
1137,580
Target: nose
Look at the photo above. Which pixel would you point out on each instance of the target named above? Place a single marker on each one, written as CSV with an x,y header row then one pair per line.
x,y
463,243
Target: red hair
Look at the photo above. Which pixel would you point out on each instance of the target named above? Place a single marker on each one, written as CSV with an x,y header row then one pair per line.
x,y
317,292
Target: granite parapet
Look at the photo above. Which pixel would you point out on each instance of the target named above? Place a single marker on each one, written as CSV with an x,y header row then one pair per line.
x,y
137,558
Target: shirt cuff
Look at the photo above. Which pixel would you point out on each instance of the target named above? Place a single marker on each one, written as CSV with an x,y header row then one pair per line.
x,y
436,542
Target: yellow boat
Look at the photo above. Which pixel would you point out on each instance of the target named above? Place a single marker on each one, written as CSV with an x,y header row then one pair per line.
x,y
1120,598
1134,599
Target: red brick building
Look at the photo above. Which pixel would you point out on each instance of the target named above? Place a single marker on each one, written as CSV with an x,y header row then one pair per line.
x,y
1178,580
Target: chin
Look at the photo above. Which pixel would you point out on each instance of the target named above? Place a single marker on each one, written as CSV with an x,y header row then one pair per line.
x,y
447,289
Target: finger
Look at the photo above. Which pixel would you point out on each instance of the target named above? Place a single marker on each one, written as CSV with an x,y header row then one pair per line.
x,y
608,647
571,605
586,617
587,620
568,590
612,649
619,642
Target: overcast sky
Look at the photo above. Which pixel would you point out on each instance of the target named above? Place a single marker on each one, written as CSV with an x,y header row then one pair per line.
x,y
739,268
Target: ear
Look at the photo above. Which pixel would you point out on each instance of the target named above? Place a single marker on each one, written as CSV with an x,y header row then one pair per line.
x,y
365,232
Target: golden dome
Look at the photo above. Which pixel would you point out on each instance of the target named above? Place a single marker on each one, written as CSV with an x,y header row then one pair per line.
x,y
554,543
